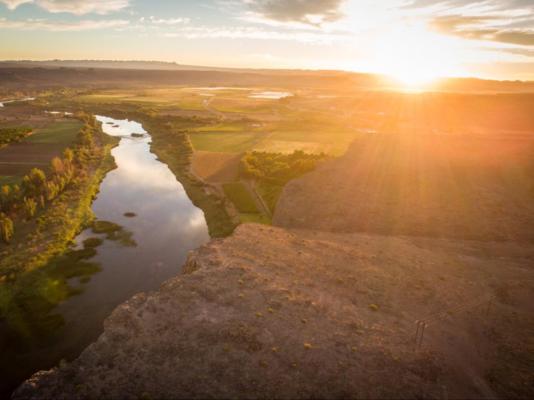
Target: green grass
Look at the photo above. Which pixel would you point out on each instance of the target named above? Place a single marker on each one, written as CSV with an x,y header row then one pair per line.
x,y
62,132
224,127
270,193
224,142
155,97
254,218
243,105
241,197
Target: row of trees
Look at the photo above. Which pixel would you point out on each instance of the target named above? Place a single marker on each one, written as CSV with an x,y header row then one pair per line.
x,y
39,188
14,134
278,168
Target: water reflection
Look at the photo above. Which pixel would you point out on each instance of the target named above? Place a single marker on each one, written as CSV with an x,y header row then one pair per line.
x,y
67,305
270,95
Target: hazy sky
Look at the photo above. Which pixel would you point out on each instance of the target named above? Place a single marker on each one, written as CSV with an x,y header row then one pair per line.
x,y
488,38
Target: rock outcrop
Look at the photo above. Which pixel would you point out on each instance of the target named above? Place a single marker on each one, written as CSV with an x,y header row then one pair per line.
x,y
270,313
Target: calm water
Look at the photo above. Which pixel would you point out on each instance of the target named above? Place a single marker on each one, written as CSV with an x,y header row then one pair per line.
x,y
15,101
166,226
270,95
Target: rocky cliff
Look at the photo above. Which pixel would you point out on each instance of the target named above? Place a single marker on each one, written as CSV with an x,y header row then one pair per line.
x,y
272,313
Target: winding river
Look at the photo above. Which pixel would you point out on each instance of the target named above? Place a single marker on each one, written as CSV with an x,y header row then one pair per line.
x,y
159,226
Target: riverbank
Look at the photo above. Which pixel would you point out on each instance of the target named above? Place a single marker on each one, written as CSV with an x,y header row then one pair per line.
x,y
54,312
51,232
172,146
34,275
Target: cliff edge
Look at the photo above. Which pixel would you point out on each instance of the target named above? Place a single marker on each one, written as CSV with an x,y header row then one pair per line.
x,y
271,313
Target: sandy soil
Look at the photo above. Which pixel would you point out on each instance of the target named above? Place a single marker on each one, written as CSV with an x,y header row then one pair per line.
x,y
269,313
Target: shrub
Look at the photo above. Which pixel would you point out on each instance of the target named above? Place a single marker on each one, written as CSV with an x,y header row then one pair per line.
x,y
6,228
10,135
30,207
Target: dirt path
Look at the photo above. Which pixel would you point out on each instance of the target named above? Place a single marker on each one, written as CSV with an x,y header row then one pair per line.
x,y
207,105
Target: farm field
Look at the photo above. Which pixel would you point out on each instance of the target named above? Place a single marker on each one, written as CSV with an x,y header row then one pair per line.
x,y
36,150
238,193
216,167
225,123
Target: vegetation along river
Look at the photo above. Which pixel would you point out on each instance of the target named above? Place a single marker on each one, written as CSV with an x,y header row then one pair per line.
x,y
146,225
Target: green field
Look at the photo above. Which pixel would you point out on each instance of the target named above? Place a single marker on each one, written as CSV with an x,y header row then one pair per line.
x,y
241,197
254,218
36,150
9,180
234,142
155,97
223,127
61,132
270,193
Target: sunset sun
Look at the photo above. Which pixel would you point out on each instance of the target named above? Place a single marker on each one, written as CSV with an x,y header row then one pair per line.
x,y
415,57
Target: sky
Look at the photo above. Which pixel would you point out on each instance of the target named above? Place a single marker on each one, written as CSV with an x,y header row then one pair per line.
x,y
408,39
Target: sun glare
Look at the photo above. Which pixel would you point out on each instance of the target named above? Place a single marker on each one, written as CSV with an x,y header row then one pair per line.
x,y
414,76
415,57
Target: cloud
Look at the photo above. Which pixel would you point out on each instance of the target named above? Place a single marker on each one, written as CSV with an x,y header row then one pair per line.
x,y
167,21
77,7
310,12
488,28
40,24
12,4
524,38
205,32
508,22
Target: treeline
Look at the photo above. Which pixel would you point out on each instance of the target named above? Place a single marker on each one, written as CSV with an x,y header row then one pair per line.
x,y
278,168
15,134
22,202
272,171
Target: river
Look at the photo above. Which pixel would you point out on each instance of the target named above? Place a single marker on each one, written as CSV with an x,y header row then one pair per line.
x,y
159,226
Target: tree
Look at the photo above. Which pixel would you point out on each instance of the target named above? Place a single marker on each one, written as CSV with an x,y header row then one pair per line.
x,y
57,167
30,207
68,155
52,190
6,228
5,197
34,183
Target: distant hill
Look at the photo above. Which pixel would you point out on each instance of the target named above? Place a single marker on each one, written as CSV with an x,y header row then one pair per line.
x,y
105,64
15,73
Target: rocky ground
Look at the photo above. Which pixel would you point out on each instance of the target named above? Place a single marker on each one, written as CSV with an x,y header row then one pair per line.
x,y
274,313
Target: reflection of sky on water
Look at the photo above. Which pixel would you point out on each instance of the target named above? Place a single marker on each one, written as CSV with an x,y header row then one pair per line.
x,y
166,227
270,95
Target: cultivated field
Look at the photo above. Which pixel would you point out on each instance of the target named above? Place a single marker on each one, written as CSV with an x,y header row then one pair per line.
x,y
36,150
